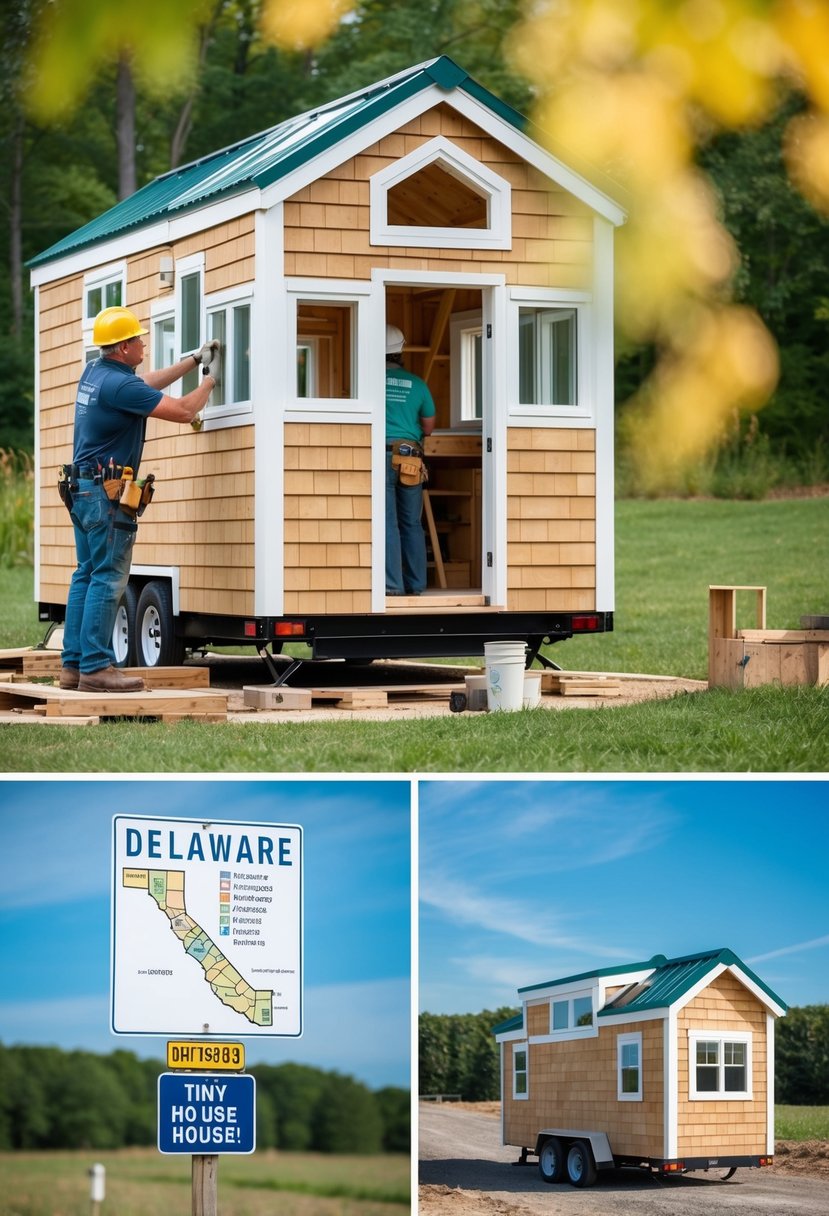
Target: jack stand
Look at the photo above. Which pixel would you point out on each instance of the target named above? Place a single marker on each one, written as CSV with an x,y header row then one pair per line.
x,y
523,1159
279,677
547,663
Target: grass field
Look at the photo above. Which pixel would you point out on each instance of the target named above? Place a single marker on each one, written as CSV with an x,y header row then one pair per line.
x,y
668,554
139,1181
801,1122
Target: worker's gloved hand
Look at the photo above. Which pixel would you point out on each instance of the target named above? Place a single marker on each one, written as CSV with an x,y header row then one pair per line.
x,y
212,366
204,355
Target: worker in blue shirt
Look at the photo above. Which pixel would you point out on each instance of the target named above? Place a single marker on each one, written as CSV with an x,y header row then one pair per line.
x,y
410,416
111,410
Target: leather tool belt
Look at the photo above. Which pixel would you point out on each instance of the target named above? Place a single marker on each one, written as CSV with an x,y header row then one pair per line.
x,y
407,458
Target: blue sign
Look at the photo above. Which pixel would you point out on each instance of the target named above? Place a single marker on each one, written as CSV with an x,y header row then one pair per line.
x,y
205,1114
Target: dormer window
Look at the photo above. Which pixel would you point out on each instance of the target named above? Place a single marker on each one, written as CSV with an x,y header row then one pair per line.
x,y
572,1015
440,197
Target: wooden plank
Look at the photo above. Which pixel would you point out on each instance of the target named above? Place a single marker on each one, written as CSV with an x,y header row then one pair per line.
x,y
27,718
147,703
784,635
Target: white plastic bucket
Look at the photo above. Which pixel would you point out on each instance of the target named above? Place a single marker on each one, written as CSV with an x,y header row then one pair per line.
x,y
476,698
532,689
504,664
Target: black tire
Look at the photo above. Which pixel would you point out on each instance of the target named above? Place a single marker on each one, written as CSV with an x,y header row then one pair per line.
x,y
123,631
581,1168
156,644
551,1160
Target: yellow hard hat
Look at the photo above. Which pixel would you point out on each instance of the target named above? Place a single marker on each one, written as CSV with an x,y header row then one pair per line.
x,y
115,325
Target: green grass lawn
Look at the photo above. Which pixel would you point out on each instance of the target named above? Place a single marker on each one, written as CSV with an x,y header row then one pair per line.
x,y
139,1181
801,1122
668,554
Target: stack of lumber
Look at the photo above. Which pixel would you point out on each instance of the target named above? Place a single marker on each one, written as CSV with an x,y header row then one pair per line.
x,y
580,684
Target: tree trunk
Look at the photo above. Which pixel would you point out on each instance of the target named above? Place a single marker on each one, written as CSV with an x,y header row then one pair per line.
x,y
125,128
15,222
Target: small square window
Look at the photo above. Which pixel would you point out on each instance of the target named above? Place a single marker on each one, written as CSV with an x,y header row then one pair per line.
x,y
583,1011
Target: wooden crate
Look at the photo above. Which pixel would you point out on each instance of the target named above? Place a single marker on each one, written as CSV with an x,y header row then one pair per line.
x,y
750,658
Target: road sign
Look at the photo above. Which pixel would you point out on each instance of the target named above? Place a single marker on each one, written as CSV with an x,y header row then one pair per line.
x,y
206,928
188,1054
206,1114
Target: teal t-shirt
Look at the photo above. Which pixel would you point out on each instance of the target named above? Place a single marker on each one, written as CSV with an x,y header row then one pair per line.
x,y
407,401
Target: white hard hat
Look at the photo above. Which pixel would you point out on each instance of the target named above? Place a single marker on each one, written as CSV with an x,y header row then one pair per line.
x,y
394,340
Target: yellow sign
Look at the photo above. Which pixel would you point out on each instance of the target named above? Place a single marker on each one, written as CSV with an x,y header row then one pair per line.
x,y
198,1054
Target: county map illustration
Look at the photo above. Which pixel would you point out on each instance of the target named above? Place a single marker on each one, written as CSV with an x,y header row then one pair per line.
x,y
167,889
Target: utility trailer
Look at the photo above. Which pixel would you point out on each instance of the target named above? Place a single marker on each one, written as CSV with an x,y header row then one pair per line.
x,y
666,1065
424,202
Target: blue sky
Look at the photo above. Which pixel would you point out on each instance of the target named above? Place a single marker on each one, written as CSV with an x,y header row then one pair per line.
x,y
527,881
55,869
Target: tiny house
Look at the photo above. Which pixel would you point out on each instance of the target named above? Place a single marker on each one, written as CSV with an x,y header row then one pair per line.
x,y
425,202
667,1064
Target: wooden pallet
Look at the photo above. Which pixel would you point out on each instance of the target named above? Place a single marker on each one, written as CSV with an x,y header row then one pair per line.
x,y
367,697
565,685
28,664
168,704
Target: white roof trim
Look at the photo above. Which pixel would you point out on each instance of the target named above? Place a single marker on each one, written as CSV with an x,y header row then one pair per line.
x,y
481,115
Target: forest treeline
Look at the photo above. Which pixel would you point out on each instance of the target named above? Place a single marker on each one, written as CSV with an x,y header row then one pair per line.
x,y
459,1055
51,1098
55,178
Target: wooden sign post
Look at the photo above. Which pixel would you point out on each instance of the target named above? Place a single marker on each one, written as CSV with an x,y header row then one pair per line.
x,y
205,1178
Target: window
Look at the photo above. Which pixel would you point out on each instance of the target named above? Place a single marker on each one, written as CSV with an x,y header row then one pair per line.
x,y
629,1067
325,350
572,1015
547,356
230,325
520,1078
190,323
720,1065
466,362
438,196
103,289
164,341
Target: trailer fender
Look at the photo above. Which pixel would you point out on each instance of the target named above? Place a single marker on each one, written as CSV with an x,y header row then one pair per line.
x,y
598,1141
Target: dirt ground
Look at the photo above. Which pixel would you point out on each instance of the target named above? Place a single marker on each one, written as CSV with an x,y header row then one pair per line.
x,y
465,1171
234,674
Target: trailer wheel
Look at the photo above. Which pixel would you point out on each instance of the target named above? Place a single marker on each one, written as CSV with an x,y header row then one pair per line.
x,y
123,631
155,638
581,1169
551,1163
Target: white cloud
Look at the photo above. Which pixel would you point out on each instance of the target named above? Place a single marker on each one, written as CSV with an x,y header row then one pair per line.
x,y
539,926
814,944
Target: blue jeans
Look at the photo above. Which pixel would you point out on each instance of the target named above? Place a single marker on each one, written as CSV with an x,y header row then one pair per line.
x,y
104,539
405,539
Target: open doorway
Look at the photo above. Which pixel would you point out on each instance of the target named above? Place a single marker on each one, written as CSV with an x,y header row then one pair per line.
x,y
442,327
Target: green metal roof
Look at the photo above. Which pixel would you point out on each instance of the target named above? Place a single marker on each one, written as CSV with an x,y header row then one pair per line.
x,y
672,978
513,1023
667,981
260,160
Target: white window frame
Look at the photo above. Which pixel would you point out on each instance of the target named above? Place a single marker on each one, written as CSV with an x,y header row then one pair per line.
x,y
525,1072
549,300
101,277
571,1030
183,268
628,1040
225,301
463,328
356,295
721,1037
459,164
160,311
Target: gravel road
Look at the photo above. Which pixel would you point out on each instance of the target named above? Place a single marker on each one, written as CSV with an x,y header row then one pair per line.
x,y
464,1169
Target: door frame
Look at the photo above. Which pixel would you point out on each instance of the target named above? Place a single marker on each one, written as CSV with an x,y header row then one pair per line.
x,y
493,425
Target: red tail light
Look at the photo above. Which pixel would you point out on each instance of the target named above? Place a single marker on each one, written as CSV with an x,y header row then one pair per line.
x,y
289,629
585,624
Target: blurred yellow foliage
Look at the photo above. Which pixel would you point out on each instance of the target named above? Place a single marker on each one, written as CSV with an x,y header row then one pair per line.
x,y
634,85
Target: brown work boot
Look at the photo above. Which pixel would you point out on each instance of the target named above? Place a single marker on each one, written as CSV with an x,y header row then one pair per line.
x,y
109,679
69,677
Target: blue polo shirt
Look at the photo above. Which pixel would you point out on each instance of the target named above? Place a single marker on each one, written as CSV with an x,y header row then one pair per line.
x,y
111,410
